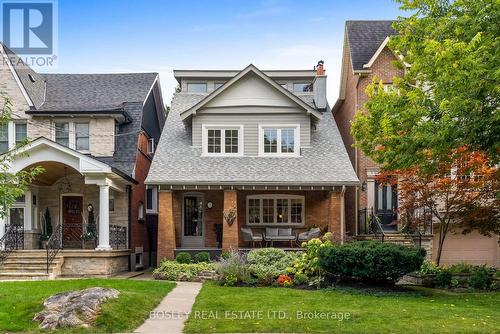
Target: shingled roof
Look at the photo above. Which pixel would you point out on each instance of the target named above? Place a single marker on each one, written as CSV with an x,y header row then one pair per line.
x,y
364,39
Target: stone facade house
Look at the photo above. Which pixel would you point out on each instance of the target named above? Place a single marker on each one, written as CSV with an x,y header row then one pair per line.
x,y
95,137
365,57
248,152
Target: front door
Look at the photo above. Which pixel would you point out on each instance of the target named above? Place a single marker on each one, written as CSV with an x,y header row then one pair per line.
x,y
386,205
72,221
192,225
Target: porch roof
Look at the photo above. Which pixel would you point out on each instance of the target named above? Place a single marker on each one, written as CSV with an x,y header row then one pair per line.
x,y
177,162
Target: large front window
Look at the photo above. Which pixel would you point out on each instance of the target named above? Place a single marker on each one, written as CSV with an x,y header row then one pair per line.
x,y
222,140
275,209
279,141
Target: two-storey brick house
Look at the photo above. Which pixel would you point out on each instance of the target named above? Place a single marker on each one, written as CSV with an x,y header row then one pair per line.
x,y
248,157
94,135
366,56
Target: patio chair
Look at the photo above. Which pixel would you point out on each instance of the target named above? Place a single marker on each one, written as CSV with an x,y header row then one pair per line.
x,y
309,235
250,236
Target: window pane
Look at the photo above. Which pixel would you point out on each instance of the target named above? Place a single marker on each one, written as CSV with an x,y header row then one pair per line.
x,y
197,87
16,216
270,140
282,210
302,87
254,210
231,141
296,211
62,133
380,200
214,141
21,132
4,138
268,210
218,84
287,140
389,197
82,136
149,199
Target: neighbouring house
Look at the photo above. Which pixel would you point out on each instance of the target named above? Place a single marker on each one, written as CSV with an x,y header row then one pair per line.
x,y
95,135
247,155
365,57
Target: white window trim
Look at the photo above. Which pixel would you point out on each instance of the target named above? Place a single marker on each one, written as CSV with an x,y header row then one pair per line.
x,y
151,149
154,200
11,132
222,127
197,83
72,133
274,197
278,127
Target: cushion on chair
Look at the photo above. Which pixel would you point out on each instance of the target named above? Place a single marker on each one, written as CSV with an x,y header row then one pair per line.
x,y
271,232
282,232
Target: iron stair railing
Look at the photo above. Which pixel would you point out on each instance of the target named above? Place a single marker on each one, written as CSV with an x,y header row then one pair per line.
x,y
12,240
54,245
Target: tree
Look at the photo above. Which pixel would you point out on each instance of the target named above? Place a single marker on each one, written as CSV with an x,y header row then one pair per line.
x,y
449,95
462,193
12,185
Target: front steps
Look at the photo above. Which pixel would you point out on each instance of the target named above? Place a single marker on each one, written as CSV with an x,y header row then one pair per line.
x,y
30,265
402,239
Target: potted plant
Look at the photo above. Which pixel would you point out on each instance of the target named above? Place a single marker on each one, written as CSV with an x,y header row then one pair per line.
x,y
46,229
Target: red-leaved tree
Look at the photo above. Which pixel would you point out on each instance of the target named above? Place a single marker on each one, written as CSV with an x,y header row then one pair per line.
x,y
463,192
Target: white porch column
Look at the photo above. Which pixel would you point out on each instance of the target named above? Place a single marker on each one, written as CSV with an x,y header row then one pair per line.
x,y
28,211
2,227
103,218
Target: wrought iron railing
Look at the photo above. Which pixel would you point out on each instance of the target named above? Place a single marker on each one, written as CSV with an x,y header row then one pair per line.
x,y
12,240
418,225
117,236
54,245
369,223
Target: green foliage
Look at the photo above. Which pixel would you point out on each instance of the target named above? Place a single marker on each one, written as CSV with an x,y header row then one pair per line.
x,y
225,255
428,268
234,269
305,268
448,98
183,257
371,260
479,278
266,264
202,257
173,270
443,278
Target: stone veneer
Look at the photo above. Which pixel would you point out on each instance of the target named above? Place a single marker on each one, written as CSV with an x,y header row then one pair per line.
x,y
92,263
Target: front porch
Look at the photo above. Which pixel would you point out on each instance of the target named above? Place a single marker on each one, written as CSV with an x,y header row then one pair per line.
x,y
217,219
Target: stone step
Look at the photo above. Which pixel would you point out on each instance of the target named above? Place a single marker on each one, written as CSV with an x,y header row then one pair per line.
x,y
27,269
24,276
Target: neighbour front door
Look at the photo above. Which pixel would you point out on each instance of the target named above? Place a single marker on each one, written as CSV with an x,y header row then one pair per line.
x,y
386,205
72,221
192,226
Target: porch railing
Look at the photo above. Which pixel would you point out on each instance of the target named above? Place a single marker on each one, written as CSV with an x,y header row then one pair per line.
x,y
12,240
54,245
369,223
419,225
117,237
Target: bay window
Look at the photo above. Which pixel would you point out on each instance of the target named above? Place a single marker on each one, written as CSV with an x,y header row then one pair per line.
x,y
275,209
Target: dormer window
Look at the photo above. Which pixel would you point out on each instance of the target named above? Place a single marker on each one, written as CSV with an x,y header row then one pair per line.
x,y
222,140
198,87
279,140
300,87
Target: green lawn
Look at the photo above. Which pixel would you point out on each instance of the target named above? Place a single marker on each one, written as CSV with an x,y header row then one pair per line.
x,y
371,311
19,301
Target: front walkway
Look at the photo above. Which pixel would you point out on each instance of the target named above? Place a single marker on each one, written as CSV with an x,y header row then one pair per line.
x,y
170,315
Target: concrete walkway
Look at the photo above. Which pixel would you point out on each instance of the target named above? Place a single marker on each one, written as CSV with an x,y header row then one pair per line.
x,y
173,310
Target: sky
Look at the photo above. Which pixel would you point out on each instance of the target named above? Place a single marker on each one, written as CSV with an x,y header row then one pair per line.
x,y
108,36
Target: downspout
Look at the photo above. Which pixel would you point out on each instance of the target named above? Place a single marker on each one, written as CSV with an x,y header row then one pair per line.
x,y
129,191
342,215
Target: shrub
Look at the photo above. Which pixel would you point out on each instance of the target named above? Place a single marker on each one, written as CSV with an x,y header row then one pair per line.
x,y
233,269
266,264
225,255
174,271
284,280
183,257
443,278
428,268
202,257
461,268
479,278
305,268
371,260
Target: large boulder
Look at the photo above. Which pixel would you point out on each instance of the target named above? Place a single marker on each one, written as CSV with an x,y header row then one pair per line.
x,y
74,308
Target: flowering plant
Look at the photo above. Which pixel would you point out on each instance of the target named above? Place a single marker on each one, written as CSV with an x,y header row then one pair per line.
x,y
284,280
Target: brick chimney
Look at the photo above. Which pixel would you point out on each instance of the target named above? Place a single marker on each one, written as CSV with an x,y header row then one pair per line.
x,y
319,86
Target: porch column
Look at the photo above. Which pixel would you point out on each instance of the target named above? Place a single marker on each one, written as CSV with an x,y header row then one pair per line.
x,y
334,215
230,233
166,226
103,218
2,228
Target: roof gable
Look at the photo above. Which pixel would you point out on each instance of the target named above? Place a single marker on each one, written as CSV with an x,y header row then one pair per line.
x,y
250,87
